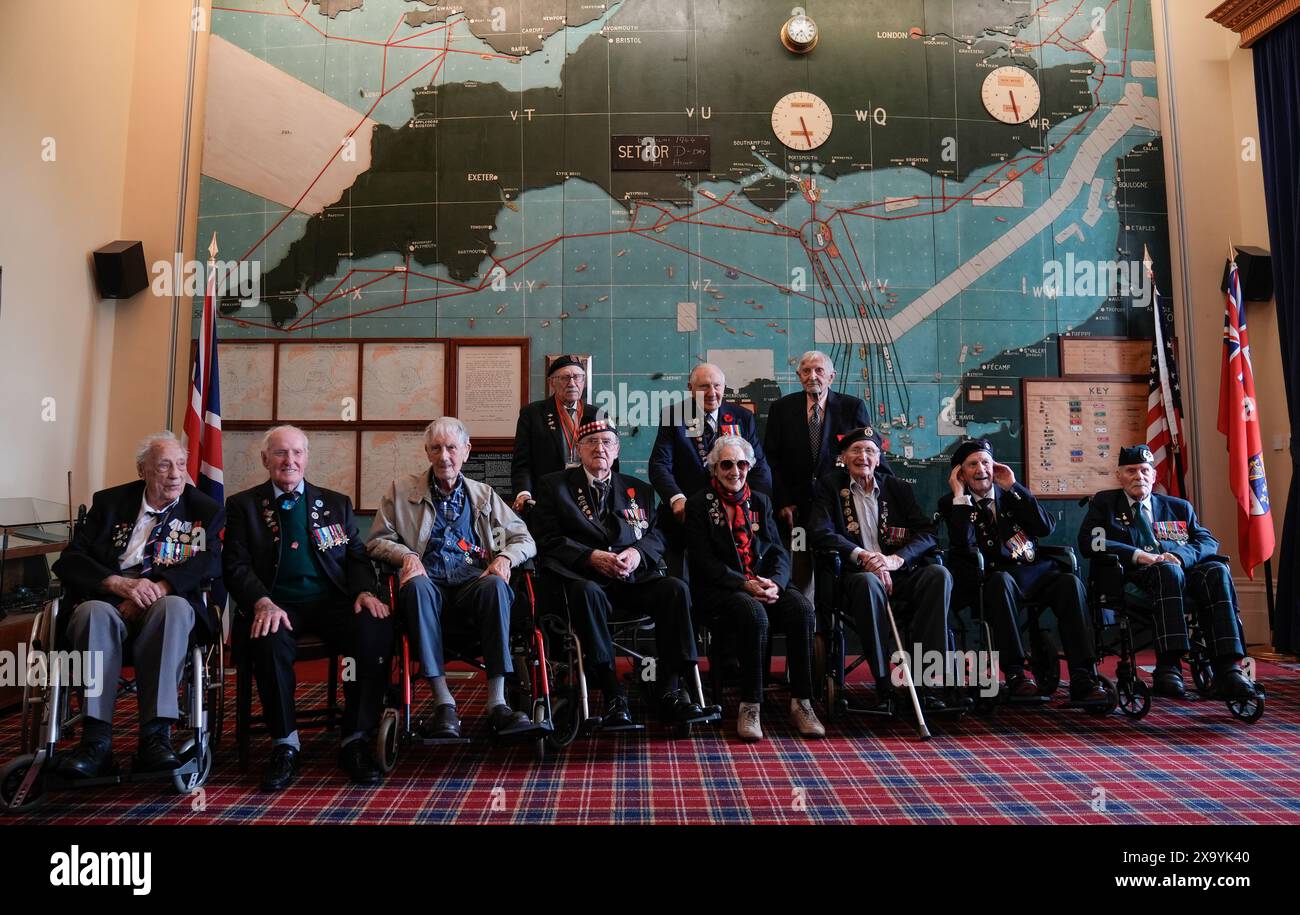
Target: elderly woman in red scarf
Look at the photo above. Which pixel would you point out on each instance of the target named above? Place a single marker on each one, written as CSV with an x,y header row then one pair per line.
x,y
739,575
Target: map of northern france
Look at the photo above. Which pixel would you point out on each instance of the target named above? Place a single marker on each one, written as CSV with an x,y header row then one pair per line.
x,y
471,192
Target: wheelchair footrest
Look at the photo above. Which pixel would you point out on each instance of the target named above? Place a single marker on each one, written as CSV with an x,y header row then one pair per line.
x,y
439,741
594,726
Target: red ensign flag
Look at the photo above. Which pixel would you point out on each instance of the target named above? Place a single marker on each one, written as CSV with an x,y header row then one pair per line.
x,y
1239,421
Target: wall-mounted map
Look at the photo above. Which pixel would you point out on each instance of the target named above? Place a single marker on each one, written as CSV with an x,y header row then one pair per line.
x,y
929,248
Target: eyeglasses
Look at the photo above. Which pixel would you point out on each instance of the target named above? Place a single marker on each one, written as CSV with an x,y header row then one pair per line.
x,y
570,379
728,465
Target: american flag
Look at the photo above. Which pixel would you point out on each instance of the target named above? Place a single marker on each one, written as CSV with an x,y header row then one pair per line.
x,y
203,416
1164,397
1239,421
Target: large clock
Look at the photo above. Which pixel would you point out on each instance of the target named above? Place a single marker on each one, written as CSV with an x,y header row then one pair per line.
x,y
801,120
1011,95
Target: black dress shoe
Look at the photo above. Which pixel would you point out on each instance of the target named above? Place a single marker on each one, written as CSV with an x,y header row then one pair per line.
x,y
1021,686
504,722
356,760
91,759
1168,681
1087,688
282,769
616,714
1233,684
445,724
932,703
155,754
676,708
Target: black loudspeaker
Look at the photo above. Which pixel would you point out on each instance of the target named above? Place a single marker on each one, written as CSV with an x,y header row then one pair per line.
x,y
1255,268
119,270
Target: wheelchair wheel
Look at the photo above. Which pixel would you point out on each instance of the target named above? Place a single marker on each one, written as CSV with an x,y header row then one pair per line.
x,y
1112,694
1203,677
386,741
1134,697
562,674
539,745
215,701
185,784
1248,710
11,779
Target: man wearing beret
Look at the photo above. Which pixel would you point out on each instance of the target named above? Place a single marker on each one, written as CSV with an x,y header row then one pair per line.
x,y
596,530
989,511
873,521
546,435
1168,556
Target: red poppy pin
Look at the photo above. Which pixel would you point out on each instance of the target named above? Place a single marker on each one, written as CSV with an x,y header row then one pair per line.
x,y
631,493
726,417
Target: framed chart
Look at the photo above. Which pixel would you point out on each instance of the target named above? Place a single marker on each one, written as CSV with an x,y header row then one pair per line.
x,y
1073,430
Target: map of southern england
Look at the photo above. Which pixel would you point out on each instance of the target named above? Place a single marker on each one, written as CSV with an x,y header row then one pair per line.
x,y
409,169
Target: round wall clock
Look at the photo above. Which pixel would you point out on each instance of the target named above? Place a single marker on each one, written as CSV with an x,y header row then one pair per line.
x,y
801,120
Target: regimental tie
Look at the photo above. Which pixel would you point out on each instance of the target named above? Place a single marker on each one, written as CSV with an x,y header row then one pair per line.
x,y
986,510
571,445
601,488
155,535
815,431
1143,526
710,433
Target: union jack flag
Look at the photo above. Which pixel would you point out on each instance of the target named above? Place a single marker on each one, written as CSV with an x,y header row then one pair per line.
x,y
203,415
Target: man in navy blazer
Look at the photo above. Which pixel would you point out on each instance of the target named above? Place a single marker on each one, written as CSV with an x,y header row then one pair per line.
x,y
689,429
886,543
295,562
134,573
1169,556
990,513
815,414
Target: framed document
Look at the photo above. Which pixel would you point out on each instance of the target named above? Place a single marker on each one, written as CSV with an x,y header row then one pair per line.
x,y
491,384
247,375
1074,429
313,380
402,381
1100,356
387,454
241,454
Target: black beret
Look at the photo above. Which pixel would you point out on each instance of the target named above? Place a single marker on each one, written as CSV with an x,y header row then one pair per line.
x,y
1136,454
865,434
966,449
563,362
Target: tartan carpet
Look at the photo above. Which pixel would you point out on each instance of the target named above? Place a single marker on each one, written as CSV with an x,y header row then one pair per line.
x,y
1186,762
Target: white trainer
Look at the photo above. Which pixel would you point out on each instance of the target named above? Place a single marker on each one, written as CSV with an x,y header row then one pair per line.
x,y
747,726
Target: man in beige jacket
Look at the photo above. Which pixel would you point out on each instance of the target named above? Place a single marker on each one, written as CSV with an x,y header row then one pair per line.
x,y
454,541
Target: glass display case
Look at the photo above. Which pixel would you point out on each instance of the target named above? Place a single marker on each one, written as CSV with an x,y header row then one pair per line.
x,y
32,533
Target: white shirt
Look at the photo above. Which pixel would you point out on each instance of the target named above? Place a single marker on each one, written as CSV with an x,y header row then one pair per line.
x,y
867,506
145,521
972,501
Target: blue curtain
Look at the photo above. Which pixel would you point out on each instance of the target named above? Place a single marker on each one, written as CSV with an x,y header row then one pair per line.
x,y
1277,96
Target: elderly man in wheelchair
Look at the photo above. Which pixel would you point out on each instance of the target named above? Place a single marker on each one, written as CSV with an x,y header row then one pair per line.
x,y
454,542
134,571
873,521
989,513
1167,559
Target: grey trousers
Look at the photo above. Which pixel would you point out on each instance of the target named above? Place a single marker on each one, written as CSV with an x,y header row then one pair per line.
x,y
159,639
